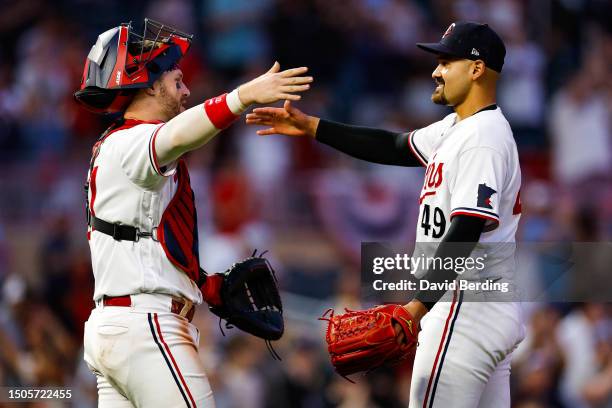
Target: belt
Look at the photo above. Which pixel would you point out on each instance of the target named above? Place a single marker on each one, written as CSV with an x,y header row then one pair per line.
x,y
178,307
121,232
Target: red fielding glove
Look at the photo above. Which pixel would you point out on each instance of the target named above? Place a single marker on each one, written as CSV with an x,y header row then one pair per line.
x,y
211,289
363,340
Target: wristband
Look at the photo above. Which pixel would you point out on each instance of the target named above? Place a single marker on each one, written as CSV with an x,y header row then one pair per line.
x,y
211,289
218,112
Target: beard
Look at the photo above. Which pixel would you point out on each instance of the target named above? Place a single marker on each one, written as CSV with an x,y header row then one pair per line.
x,y
438,97
170,105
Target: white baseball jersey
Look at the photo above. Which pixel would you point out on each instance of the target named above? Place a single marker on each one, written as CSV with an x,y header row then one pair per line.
x,y
128,187
465,347
147,354
472,168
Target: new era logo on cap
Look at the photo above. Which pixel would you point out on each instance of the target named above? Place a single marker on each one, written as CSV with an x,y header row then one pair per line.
x,y
475,52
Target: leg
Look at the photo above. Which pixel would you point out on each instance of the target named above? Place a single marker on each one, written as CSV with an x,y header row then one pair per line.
x,y
497,391
99,342
151,359
166,370
109,397
461,346
442,375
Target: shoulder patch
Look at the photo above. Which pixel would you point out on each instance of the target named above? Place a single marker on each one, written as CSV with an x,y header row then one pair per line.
x,y
484,196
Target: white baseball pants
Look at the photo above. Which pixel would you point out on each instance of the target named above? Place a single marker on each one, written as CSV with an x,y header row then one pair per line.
x,y
145,356
464,354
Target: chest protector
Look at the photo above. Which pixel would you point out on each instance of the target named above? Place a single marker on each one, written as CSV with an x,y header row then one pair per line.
x,y
177,231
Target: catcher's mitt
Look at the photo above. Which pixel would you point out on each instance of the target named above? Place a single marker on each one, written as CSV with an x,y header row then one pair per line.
x,y
364,340
248,298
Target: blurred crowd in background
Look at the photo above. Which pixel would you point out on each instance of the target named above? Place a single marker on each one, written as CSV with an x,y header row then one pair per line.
x,y
310,206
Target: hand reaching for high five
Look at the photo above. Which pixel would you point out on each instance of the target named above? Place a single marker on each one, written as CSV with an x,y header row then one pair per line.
x,y
287,121
275,85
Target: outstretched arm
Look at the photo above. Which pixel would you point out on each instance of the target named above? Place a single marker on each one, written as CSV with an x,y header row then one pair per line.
x,y
373,145
197,126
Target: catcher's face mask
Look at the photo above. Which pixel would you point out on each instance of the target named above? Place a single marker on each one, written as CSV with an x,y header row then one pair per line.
x,y
122,61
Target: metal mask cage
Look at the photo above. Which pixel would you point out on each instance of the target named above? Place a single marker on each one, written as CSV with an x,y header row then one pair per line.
x,y
154,35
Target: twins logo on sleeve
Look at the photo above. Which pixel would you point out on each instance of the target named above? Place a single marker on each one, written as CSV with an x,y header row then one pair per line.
x,y
484,196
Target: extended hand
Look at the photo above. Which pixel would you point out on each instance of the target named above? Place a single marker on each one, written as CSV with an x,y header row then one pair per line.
x,y
283,121
274,86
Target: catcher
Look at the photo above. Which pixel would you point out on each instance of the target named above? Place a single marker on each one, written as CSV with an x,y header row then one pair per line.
x,y
142,224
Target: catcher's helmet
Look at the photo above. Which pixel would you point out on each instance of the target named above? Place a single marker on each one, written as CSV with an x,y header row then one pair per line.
x,y
121,61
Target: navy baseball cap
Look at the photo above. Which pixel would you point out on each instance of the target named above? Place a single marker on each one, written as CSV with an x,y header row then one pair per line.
x,y
474,41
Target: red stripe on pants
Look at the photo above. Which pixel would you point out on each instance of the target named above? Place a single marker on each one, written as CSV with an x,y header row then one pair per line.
x,y
176,367
440,347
